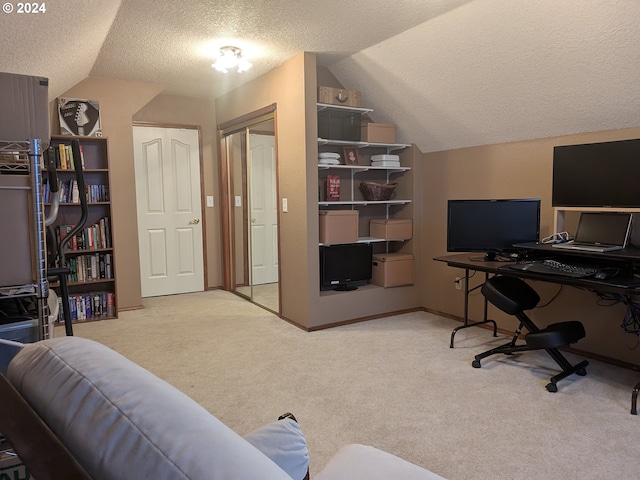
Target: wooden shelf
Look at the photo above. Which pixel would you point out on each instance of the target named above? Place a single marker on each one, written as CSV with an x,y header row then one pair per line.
x,y
96,172
363,168
366,202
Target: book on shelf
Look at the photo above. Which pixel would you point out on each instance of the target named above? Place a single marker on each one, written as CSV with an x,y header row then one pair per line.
x,y
91,305
91,267
63,156
93,237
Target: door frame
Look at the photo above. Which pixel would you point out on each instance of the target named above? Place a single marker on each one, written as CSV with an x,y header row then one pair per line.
x,y
224,129
203,209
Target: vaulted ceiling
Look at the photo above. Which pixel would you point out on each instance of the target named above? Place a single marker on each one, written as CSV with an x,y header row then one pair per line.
x,y
449,73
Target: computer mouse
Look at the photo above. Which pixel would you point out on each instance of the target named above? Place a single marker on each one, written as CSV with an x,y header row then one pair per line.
x,y
601,275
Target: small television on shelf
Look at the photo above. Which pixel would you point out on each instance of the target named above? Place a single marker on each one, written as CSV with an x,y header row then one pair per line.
x,y
492,226
345,266
601,174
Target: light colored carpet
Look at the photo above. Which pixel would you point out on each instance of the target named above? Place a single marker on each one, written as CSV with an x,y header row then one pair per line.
x,y
393,383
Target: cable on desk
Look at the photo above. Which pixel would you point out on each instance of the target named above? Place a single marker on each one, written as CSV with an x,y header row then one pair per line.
x,y
555,295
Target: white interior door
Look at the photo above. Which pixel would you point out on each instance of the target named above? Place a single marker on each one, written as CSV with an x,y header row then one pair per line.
x,y
264,209
169,206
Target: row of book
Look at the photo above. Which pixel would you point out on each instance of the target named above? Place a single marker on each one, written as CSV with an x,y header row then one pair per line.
x,y
63,156
85,268
88,306
69,192
95,237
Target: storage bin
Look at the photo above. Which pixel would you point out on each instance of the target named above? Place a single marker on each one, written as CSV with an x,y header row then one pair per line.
x,y
378,133
339,96
391,228
338,226
392,269
339,125
24,331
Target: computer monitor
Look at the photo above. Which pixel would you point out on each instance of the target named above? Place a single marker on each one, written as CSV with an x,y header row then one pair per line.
x,y
492,226
345,266
601,174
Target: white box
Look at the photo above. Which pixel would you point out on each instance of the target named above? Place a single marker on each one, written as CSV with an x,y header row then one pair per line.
x,y
384,158
385,163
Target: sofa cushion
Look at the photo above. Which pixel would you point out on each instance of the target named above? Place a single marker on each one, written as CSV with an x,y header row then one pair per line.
x,y
121,421
360,462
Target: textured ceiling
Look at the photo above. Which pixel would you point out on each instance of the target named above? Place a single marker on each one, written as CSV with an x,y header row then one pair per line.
x,y
496,71
449,73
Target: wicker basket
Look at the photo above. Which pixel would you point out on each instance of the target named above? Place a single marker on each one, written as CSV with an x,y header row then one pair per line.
x,y
377,191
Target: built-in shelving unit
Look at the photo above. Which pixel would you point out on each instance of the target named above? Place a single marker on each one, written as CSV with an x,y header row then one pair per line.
x,y
351,197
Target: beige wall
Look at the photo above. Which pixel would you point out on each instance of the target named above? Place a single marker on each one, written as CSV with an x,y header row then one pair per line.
x,y
173,110
119,100
293,88
521,169
285,87
513,170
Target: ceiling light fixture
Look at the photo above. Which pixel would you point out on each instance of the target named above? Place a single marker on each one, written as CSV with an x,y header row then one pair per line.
x,y
231,57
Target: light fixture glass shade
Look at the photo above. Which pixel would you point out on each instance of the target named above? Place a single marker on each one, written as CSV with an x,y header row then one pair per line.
x,y
231,57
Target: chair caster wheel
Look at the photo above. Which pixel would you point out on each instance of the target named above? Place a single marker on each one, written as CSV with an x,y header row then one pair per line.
x,y
476,364
582,372
552,387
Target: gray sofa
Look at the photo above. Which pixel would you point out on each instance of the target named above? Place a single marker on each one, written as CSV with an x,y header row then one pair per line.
x,y
116,420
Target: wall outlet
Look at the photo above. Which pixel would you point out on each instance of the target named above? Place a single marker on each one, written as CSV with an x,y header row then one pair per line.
x,y
458,283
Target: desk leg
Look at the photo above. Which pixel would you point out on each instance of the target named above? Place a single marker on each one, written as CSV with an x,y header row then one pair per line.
x,y
466,310
634,399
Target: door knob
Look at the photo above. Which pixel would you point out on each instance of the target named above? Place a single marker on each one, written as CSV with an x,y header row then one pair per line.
x,y
195,221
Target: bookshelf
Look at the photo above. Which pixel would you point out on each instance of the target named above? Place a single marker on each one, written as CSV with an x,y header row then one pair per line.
x,y
90,254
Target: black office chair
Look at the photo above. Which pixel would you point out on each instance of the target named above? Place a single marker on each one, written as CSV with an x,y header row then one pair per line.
x,y
513,296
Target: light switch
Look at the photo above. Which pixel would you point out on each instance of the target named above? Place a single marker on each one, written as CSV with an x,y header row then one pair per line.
x,y
209,200
238,201
285,205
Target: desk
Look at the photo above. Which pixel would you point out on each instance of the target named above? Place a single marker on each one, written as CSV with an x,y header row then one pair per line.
x,y
625,262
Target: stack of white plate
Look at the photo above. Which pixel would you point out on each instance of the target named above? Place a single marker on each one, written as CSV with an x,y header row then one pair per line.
x,y
328,158
385,160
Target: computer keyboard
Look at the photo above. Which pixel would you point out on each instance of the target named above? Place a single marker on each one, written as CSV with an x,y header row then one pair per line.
x,y
554,267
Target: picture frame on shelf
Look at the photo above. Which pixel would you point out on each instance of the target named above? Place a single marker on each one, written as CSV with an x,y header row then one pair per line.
x,y
351,156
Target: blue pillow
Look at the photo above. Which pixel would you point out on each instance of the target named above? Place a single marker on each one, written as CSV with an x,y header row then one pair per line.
x,y
284,443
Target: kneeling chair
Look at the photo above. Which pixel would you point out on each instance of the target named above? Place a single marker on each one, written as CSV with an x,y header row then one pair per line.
x,y
513,296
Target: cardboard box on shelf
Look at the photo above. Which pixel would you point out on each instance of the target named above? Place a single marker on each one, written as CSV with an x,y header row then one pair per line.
x,y
391,228
24,108
339,96
338,226
392,269
378,133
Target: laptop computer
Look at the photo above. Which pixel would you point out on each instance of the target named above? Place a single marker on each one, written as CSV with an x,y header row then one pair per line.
x,y
600,232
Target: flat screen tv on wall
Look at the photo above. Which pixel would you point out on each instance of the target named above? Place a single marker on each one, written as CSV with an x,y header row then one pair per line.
x,y
603,174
